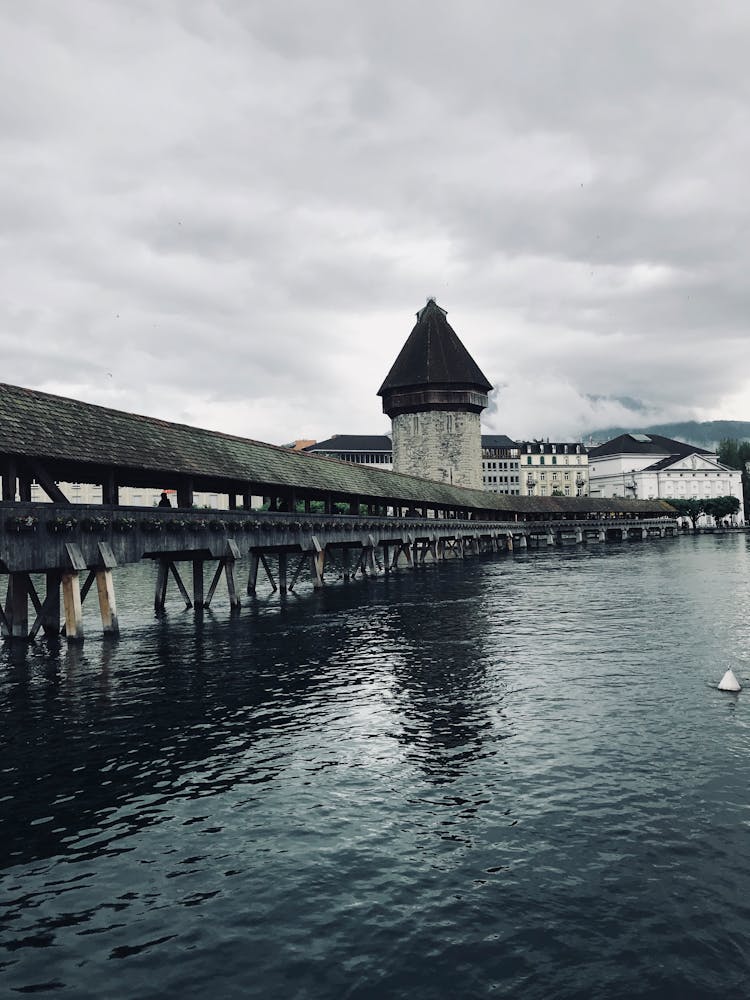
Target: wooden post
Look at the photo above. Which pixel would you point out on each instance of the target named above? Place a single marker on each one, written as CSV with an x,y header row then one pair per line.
x,y
17,605
252,580
282,573
162,577
106,590
185,491
231,555
181,586
197,583
318,561
107,604
71,589
9,479
214,584
110,489
346,564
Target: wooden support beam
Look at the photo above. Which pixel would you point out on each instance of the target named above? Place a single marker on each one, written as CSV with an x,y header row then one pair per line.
x,y
4,623
50,615
162,578
282,573
88,584
300,564
24,488
346,564
267,568
185,492
214,583
110,489
49,611
9,477
72,605
107,605
230,559
17,605
318,562
180,584
252,579
46,481
197,583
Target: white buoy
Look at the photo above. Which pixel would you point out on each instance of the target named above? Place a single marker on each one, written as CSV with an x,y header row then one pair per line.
x,y
729,682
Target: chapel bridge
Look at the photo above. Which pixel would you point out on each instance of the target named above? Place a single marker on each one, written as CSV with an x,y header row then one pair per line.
x,y
321,512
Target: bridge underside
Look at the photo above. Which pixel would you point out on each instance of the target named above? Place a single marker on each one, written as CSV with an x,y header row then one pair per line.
x,y
66,551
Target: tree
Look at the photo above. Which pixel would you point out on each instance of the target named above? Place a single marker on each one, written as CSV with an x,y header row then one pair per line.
x,y
721,507
689,508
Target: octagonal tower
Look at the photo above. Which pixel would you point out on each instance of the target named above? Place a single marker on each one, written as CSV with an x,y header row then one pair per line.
x,y
434,394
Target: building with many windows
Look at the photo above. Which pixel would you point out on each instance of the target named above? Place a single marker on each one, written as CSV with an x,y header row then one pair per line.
x,y
649,466
552,468
500,464
364,449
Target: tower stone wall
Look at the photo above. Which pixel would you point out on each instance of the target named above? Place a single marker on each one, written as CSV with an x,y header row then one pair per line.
x,y
442,445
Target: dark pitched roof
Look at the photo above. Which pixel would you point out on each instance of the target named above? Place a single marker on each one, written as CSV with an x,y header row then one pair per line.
x,y
645,444
353,442
664,463
434,355
498,441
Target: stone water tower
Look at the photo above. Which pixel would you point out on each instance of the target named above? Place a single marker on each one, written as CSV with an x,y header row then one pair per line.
x,y
434,394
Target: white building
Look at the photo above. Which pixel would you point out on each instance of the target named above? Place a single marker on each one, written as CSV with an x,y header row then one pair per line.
x,y
364,449
651,467
554,468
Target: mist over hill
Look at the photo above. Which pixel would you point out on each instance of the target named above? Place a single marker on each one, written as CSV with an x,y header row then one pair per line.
x,y
705,433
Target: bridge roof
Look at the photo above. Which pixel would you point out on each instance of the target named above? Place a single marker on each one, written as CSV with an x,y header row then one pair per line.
x,y
78,441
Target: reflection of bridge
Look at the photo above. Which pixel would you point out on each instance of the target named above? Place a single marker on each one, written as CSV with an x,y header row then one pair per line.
x,y
371,519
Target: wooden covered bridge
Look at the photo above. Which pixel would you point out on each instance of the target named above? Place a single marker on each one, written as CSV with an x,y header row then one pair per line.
x,y
370,519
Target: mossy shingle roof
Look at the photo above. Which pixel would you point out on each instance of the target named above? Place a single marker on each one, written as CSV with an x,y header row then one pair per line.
x,y
88,437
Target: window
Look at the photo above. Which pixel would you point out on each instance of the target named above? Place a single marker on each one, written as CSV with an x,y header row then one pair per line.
x,y
528,460
541,459
567,475
554,459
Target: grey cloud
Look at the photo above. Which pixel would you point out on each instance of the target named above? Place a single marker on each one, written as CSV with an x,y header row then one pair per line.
x,y
236,207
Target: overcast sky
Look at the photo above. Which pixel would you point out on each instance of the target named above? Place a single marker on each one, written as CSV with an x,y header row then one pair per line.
x,y
227,212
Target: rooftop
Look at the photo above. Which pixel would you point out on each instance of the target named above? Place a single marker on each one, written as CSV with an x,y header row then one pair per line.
x,y
434,355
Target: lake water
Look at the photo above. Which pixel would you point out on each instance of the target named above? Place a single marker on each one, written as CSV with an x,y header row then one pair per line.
x,y
511,776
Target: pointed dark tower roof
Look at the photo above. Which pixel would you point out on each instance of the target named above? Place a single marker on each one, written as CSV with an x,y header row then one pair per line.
x,y
434,355
434,371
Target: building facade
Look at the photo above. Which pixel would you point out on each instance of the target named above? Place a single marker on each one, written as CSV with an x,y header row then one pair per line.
x,y
364,449
652,467
434,394
556,468
501,472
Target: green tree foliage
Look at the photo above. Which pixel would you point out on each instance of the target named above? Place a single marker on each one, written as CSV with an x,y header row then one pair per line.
x,y
688,508
735,454
721,507
716,507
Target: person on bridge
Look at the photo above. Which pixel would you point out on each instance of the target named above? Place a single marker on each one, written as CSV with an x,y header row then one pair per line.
x,y
164,502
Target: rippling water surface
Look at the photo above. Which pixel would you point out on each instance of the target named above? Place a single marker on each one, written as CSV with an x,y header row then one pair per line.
x,y
509,776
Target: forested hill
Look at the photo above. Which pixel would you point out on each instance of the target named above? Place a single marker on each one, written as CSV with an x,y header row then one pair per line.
x,y
705,434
